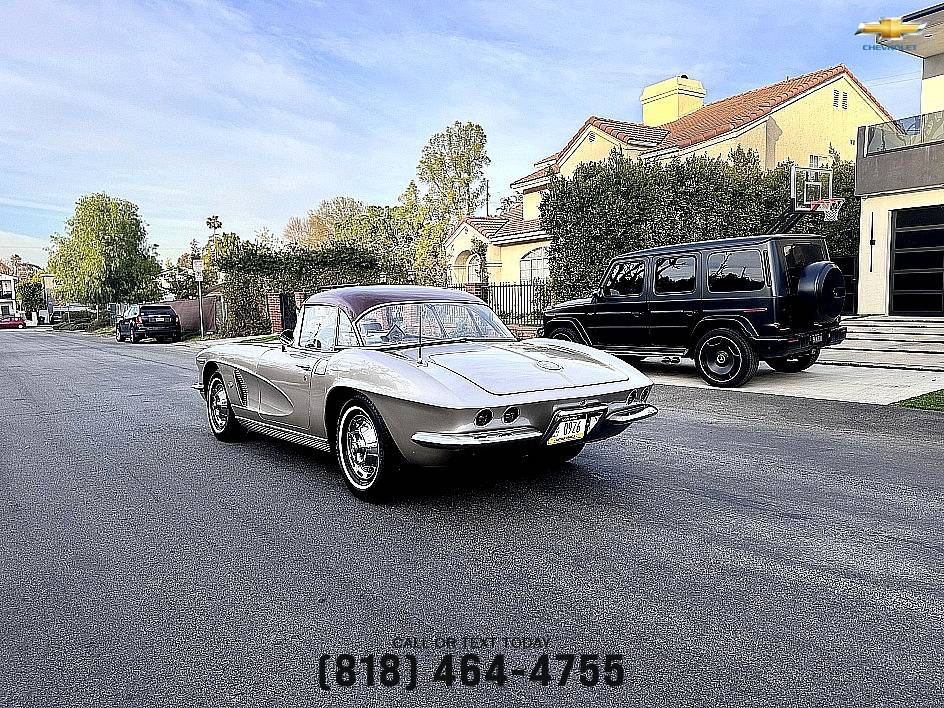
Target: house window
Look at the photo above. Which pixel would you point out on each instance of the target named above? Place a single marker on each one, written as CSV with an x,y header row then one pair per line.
x,y
533,266
473,269
835,98
845,101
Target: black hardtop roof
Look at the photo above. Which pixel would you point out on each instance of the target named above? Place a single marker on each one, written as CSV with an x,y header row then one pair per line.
x,y
357,299
714,244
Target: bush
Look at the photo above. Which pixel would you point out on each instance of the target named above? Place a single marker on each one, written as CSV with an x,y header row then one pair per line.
x,y
253,270
621,205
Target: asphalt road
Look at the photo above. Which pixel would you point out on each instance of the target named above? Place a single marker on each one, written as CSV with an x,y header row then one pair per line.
x,y
738,549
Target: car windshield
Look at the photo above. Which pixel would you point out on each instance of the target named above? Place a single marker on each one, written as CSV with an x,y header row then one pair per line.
x,y
441,321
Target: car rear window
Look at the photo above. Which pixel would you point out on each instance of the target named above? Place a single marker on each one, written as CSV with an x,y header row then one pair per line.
x,y
157,310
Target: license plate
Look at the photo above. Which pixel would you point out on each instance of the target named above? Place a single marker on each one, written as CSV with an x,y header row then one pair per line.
x,y
816,338
568,430
160,319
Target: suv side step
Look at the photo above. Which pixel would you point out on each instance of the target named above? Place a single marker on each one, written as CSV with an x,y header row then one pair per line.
x,y
646,351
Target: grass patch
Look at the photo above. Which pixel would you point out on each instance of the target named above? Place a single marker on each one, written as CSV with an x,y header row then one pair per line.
x,y
933,401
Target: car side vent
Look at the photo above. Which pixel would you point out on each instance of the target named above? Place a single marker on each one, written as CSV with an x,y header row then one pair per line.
x,y
240,386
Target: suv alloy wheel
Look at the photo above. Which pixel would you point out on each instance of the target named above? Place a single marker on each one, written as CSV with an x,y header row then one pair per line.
x,y
725,358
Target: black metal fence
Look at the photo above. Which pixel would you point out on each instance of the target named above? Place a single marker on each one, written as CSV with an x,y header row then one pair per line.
x,y
518,304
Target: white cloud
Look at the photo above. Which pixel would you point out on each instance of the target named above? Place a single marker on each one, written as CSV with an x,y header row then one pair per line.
x,y
29,248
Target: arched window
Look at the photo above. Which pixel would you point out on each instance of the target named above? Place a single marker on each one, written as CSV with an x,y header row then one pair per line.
x,y
534,266
473,269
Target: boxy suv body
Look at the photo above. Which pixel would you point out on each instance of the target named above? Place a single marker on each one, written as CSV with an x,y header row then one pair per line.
x,y
728,304
142,321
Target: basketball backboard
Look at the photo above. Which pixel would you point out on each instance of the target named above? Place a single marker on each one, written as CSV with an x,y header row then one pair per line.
x,y
810,187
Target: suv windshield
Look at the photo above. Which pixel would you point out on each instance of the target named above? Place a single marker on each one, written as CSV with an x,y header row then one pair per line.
x,y
797,255
441,321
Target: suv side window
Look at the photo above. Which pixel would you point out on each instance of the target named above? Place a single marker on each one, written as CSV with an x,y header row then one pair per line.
x,y
736,272
675,274
625,278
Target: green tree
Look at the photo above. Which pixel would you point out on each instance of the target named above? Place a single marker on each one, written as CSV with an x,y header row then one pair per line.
x,y
319,224
104,256
452,167
32,294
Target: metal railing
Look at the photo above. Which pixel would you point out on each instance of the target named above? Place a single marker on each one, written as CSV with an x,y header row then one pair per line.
x,y
904,133
518,304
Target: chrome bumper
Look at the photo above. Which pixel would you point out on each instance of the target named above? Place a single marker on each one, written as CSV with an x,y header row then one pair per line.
x,y
601,424
631,415
477,439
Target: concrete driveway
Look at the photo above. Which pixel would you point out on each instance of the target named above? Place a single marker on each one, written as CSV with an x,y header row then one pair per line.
x,y
883,360
831,382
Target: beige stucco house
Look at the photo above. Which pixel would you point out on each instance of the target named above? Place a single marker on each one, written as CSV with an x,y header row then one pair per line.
x,y
799,119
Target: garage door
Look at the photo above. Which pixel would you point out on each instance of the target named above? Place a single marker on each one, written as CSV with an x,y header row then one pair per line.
x,y
918,261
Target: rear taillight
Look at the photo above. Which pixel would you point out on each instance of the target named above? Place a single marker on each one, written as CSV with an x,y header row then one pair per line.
x,y
138,319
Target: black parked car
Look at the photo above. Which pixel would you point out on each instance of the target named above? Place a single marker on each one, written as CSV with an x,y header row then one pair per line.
x,y
728,304
143,321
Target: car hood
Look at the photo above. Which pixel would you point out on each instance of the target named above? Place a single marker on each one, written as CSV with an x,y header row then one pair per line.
x,y
524,367
568,305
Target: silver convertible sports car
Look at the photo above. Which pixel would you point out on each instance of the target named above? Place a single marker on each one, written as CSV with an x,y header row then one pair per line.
x,y
387,375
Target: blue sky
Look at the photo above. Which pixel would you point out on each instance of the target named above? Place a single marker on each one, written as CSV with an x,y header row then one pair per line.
x,y
257,111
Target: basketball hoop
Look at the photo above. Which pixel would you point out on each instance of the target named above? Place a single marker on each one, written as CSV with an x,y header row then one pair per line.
x,y
829,208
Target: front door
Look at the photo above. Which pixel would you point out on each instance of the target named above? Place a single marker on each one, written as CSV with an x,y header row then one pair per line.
x,y
675,300
293,375
620,316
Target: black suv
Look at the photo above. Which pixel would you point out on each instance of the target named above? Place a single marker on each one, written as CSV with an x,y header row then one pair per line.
x,y
142,321
728,304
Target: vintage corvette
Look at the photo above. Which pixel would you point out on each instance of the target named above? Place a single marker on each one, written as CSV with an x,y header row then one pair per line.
x,y
392,375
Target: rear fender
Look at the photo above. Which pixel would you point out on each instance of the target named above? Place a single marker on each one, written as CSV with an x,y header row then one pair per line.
x,y
735,322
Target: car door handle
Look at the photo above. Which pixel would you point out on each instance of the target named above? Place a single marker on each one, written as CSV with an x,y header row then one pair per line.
x,y
305,367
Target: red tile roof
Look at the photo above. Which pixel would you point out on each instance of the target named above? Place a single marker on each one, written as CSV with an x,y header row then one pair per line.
x,y
540,172
731,113
486,225
710,121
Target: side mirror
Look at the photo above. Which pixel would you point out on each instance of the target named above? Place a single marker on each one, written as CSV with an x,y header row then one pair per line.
x,y
287,338
599,294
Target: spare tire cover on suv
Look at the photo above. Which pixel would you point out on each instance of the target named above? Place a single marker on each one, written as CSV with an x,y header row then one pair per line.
x,y
821,292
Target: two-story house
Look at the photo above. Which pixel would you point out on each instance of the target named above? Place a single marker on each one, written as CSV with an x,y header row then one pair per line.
x,y
798,119
900,178
7,295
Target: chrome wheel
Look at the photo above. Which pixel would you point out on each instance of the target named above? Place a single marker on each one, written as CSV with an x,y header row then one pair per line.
x,y
360,447
721,358
218,405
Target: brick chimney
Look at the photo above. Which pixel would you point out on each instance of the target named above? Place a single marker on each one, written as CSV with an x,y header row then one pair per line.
x,y
671,99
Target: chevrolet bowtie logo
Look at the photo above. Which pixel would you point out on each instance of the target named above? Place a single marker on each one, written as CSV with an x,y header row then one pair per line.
x,y
890,28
